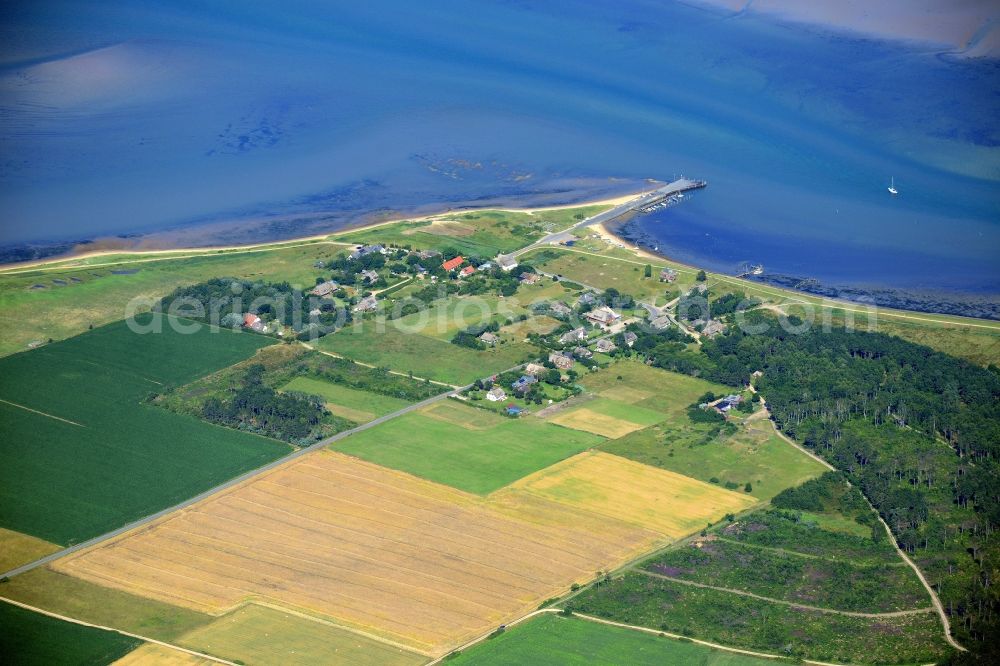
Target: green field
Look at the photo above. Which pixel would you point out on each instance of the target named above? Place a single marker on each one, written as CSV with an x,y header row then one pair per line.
x,y
257,634
607,417
754,454
89,602
83,453
741,621
30,638
422,355
617,409
468,448
97,292
636,383
483,233
345,401
606,272
560,641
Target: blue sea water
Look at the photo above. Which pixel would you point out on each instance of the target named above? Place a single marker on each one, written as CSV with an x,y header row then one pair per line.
x,y
135,116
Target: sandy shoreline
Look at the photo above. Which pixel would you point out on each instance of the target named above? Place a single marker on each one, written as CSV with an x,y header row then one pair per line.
x,y
84,254
965,28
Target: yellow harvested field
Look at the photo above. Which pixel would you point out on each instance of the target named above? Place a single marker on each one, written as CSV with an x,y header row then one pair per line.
x,y
257,634
17,548
624,393
370,548
672,504
593,422
152,654
356,415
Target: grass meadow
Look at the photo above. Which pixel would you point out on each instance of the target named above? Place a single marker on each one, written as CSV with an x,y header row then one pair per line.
x,y
465,447
17,548
423,355
634,382
755,454
344,401
483,233
89,602
33,639
255,634
568,641
84,454
42,304
606,272
606,417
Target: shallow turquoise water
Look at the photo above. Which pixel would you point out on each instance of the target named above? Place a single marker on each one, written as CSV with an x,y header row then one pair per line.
x,y
187,113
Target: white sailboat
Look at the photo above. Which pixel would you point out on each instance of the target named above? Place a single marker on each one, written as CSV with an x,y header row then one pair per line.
x,y
892,186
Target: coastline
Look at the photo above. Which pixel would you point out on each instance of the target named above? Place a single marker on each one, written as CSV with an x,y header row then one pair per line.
x,y
83,254
612,236
943,304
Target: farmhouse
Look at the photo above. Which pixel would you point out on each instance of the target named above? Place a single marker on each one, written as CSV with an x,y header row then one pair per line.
x,y
586,298
630,338
485,267
452,264
371,277
325,288
576,335
534,369
668,275
728,403
603,316
365,250
713,328
506,262
529,278
560,309
522,384
496,394
428,254
561,361
583,353
489,338
366,304
605,346
253,322
660,323
467,271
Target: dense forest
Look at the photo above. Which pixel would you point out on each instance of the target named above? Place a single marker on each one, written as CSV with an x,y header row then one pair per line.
x,y
258,408
916,430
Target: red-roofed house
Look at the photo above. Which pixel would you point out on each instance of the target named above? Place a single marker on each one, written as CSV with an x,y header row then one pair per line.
x,y
467,271
252,321
452,264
